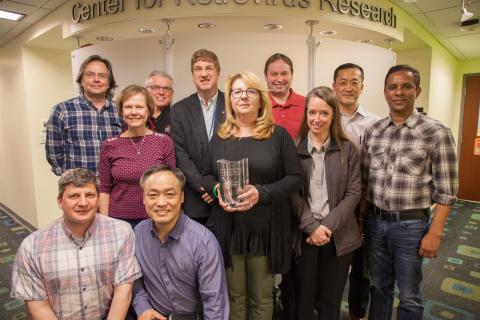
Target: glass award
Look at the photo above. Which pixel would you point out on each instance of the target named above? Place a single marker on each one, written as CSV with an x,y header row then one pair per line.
x,y
233,176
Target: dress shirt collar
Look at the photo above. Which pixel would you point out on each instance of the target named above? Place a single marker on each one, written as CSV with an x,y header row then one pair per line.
x,y
359,112
107,104
88,234
410,122
208,104
291,100
311,148
175,232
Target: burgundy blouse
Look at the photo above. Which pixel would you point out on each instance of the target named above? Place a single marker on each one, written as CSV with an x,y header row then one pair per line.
x,y
122,163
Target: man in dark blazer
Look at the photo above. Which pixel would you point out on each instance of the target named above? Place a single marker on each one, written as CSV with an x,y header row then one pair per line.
x,y
194,120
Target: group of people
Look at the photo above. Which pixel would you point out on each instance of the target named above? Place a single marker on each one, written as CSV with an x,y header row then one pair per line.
x,y
332,191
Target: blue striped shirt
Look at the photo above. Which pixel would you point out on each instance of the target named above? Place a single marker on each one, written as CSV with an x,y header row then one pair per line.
x,y
75,130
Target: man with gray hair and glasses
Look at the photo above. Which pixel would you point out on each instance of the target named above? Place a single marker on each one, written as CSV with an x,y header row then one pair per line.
x,y
159,84
82,265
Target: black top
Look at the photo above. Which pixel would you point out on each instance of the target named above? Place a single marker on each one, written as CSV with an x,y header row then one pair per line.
x,y
274,169
249,228
162,122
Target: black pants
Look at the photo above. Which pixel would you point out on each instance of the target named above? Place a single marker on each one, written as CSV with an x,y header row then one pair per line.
x,y
288,289
359,289
201,220
321,278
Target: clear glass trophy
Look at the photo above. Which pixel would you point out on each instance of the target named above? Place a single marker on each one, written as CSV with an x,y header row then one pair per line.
x,y
233,176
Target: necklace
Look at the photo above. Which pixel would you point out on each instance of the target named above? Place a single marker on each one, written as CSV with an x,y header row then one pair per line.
x,y
135,144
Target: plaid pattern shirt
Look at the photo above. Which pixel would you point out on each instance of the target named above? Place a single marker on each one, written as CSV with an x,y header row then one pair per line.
x,y
75,130
76,277
409,166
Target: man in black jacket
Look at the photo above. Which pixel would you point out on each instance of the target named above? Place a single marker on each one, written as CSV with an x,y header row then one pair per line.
x,y
194,121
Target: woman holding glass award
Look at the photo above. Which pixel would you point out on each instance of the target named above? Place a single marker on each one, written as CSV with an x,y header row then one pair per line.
x,y
253,164
328,232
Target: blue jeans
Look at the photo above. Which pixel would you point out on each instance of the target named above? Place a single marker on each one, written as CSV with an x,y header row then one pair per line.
x,y
393,255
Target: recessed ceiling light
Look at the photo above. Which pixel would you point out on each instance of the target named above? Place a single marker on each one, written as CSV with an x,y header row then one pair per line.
x,y
103,38
410,1
146,30
12,16
206,25
366,41
272,26
327,33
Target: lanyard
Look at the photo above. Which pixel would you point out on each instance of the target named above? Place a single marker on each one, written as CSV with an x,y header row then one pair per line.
x,y
212,125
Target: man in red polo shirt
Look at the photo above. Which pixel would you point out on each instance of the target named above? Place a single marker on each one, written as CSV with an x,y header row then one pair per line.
x,y
288,106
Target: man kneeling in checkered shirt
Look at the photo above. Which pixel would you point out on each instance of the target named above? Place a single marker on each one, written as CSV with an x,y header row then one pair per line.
x,y
82,265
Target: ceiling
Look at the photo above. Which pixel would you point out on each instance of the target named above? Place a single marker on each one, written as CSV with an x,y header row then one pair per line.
x,y
440,17
34,10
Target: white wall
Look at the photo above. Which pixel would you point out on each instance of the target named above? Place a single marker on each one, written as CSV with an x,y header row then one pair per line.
x,y
245,51
16,188
132,60
443,81
420,59
48,77
375,62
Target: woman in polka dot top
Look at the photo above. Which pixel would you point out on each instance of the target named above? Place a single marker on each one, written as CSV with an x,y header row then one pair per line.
x,y
125,157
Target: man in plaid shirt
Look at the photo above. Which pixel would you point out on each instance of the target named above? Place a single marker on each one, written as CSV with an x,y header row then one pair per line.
x,y
77,126
81,266
409,163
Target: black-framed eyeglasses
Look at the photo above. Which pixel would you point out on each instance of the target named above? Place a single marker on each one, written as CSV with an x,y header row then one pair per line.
x,y
250,92
155,88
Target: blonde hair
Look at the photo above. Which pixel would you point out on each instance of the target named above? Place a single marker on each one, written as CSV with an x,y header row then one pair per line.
x,y
264,124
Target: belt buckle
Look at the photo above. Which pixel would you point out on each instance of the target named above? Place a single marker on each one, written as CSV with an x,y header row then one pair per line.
x,y
396,214
390,215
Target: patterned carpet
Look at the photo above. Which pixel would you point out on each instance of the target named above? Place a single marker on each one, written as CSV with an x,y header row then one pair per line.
x,y
451,285
12,231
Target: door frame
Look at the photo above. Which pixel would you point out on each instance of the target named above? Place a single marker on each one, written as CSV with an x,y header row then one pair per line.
x,y
462,109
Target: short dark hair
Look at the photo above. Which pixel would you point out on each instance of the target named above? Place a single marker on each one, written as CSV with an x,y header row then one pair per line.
x,y
78,177
111,80
164,168
404,67
204,55
275,57
348,65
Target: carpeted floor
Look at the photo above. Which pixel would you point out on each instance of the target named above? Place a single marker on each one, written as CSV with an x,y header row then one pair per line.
x,y
451,285
12,231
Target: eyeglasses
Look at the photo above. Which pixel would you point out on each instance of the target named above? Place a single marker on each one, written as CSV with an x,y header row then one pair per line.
x,y
155,88
93,75
250,92
353,84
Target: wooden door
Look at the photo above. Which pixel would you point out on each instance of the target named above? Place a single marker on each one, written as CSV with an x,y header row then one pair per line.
x,y
469,157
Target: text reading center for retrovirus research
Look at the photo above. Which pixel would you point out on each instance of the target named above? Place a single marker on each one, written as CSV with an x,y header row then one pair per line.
x,y
84,11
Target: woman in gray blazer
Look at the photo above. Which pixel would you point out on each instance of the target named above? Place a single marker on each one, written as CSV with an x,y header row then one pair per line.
x,y
327,230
